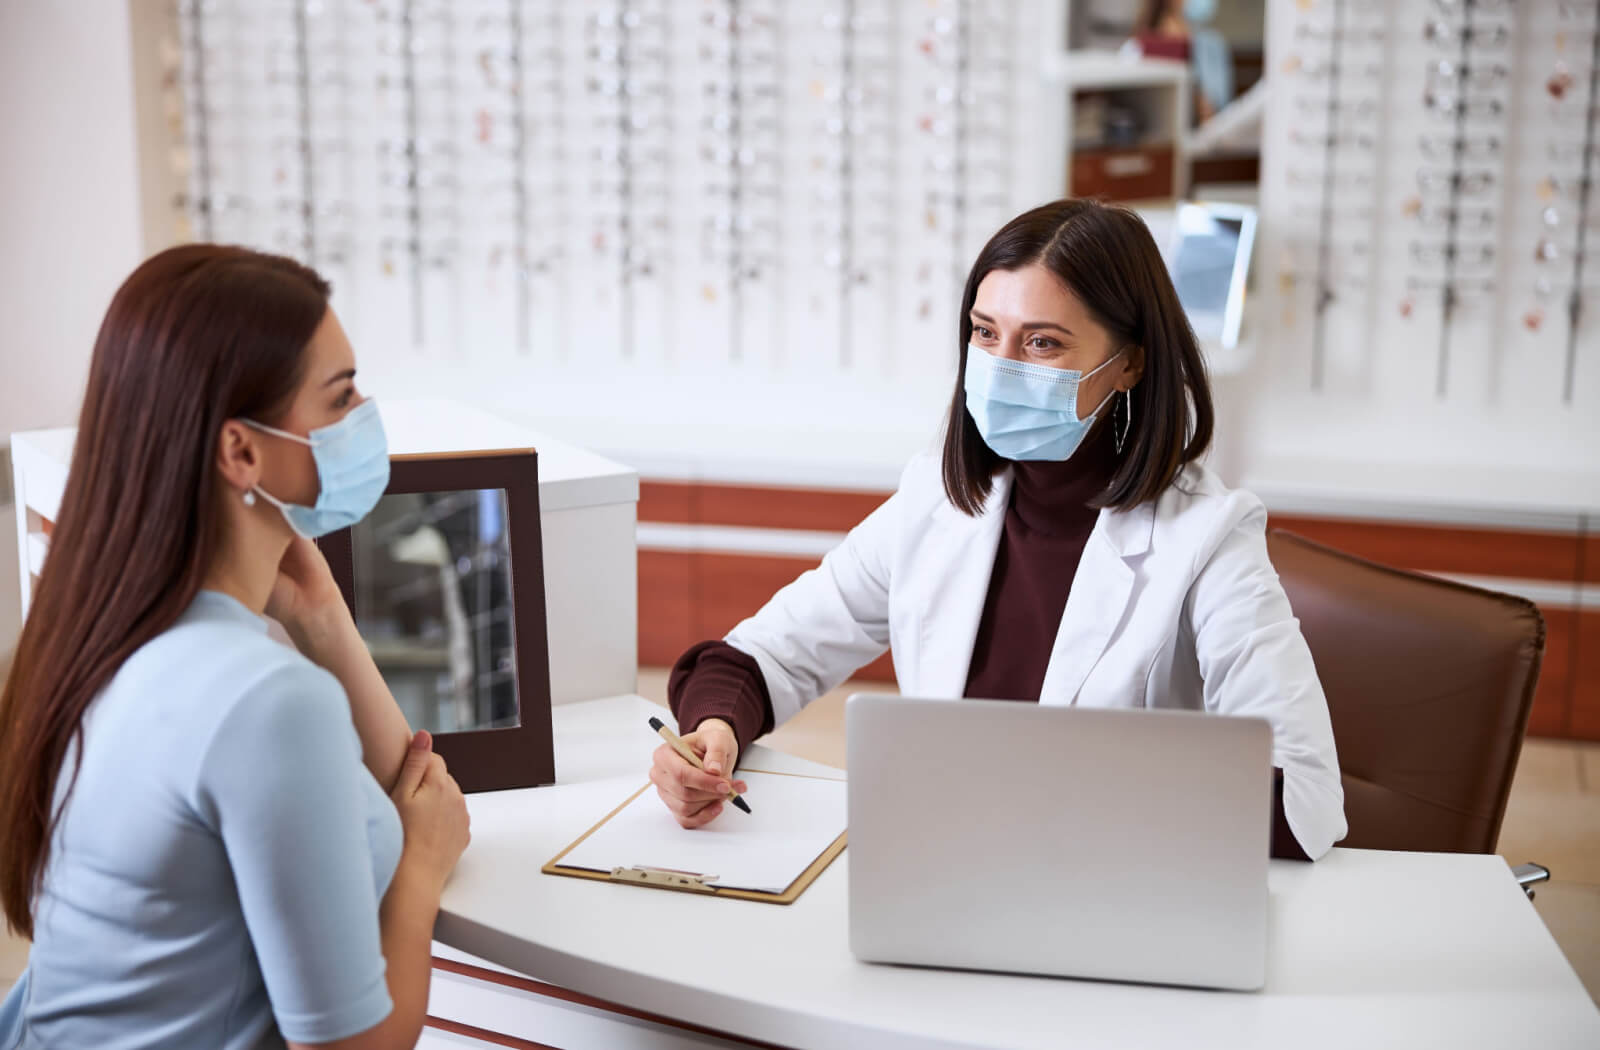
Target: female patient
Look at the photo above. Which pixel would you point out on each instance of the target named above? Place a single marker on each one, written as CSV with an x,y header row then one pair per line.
x,y
215,840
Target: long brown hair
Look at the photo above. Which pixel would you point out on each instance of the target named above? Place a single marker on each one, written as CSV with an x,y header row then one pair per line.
x,y
1107,258
198,335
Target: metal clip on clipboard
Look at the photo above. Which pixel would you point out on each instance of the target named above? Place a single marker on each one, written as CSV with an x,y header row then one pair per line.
x,y
684,880
665,878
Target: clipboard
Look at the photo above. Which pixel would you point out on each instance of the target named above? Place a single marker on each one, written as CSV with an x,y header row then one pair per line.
x,y
694,882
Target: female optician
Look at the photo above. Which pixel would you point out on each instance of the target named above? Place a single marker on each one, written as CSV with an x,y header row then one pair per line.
x,y
1067,547
215,840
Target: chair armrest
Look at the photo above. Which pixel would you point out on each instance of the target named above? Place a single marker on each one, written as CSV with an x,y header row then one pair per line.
x,y
1529,874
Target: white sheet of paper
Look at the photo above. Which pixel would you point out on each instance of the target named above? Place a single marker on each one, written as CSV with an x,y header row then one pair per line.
x,y
791,822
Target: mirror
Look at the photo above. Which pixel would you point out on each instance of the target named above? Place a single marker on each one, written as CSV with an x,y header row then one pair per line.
x,y
446,582
433,602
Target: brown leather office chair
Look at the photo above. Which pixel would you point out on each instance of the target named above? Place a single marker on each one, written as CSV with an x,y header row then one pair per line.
x,y
1429,684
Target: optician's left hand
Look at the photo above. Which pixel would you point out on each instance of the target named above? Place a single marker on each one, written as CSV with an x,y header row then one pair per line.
x,y
306,600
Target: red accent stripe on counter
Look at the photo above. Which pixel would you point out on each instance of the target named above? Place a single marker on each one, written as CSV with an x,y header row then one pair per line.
x,y
551,991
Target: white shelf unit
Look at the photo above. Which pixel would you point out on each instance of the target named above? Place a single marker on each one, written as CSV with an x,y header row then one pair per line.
x,y
1157,90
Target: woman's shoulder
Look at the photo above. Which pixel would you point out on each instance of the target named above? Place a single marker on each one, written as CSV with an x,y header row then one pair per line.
x,y
1199,491
204,695
203,666
1200,510
921,487
922,476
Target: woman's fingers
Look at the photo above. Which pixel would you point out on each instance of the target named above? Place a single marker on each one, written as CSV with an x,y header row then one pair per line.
x,y
698,781
688,814
667,782
692,783
693,796
436,767
415,766
703,817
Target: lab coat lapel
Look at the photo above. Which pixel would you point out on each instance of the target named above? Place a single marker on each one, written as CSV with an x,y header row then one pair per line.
x,y
953,606
1097,600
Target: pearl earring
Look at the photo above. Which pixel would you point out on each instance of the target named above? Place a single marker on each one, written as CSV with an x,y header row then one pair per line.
x,y
249,498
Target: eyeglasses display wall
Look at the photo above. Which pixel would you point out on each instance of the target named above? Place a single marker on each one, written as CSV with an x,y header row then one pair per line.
x,y
656,184
1426,170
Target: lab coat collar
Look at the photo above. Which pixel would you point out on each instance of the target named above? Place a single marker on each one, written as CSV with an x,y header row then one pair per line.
x,y
1128,531
1096,603
953,607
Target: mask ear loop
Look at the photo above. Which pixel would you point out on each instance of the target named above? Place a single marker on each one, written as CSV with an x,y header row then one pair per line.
x,y
275,432
250,496
282,509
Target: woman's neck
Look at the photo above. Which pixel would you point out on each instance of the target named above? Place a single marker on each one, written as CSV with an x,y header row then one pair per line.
x,y
1053,497
245,567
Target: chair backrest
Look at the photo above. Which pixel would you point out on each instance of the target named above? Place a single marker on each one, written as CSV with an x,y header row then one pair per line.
x,y
1429,684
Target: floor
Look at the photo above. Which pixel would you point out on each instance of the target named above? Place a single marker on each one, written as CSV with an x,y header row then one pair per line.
x,y
1553,818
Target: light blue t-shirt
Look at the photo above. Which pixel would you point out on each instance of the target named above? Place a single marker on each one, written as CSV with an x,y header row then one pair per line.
x,y
215,878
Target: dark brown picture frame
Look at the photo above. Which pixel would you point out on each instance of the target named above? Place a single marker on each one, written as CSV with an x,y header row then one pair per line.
x,y
516,756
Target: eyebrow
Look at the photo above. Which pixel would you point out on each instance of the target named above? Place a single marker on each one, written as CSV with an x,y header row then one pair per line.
x,y
1030,325
348,373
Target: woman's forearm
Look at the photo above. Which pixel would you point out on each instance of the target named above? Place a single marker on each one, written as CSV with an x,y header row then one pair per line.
x,y
406,920
337,647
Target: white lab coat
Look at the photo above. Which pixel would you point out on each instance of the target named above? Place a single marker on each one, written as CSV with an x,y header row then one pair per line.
x,y
1174,605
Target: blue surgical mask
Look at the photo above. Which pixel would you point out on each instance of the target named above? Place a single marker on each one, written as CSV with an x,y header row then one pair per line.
x,y
1027,411
352,458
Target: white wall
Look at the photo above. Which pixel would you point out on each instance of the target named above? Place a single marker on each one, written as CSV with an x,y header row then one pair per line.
x,y
71,229
69,212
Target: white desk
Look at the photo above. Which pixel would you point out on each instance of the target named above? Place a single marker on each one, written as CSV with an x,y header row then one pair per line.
x,y
1367,948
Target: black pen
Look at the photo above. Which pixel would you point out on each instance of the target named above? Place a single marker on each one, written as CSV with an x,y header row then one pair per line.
x,y
690,757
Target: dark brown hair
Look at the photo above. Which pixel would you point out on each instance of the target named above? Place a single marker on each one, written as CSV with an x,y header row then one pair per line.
x,y
1151,12
1107,258
198,335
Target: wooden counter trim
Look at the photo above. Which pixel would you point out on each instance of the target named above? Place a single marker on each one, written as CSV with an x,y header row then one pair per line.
x,y
1583,712
668,501
1512,553
1446,548
686,597
550,991
809,510
483,1034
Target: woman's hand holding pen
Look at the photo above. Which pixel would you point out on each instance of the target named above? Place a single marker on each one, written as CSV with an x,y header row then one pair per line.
x,y
696,798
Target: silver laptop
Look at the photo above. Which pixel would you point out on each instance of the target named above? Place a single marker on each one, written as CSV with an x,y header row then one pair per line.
x,y
1075,842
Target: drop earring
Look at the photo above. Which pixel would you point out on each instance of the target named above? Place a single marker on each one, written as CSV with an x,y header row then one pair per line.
x,y
249,497
1127,420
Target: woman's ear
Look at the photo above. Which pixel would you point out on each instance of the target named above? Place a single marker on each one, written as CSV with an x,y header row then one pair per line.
x,y
237,456
1132,369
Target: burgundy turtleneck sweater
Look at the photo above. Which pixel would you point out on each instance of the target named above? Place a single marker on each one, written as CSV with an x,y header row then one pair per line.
x,y
1048,521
